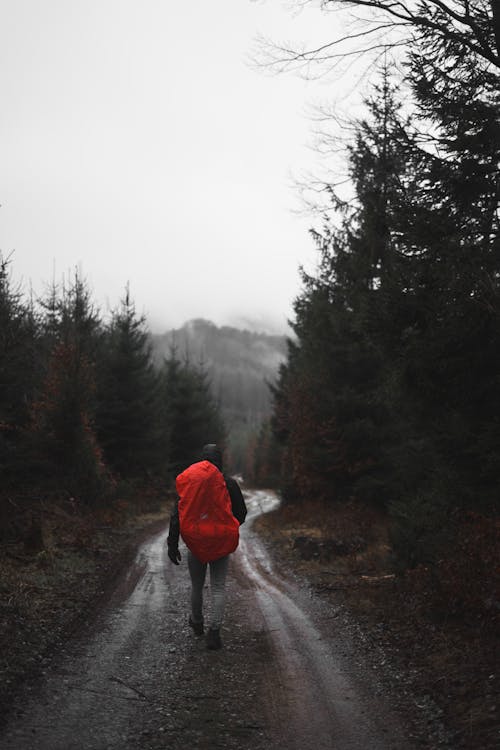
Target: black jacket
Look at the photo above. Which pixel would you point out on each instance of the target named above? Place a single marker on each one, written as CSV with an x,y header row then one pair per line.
x,y
238,507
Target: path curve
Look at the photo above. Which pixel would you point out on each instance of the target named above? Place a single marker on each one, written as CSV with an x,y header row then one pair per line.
x,y
319,699
138,678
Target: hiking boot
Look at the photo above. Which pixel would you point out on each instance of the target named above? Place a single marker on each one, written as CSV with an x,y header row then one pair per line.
x,y
213,639
197,626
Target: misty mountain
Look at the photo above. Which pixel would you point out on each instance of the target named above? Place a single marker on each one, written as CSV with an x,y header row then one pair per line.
x,y
240,364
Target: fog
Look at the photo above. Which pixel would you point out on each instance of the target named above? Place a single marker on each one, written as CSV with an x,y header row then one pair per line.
x,y
139,144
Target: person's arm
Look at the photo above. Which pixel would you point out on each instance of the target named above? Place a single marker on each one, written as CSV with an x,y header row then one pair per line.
x,y
173,535
238,505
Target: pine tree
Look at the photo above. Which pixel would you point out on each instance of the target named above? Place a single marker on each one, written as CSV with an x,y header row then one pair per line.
x,y
331,397
396,364
128,424
189,412
62,427
266,458
19,374
453,356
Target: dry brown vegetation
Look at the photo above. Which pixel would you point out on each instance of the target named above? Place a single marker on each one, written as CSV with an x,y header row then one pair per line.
x,y
437,627
54,569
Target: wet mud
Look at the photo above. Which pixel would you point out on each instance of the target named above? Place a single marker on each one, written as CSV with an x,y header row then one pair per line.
x,y
137,677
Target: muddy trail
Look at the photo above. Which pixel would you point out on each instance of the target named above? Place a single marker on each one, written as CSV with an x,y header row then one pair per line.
x,y
137,677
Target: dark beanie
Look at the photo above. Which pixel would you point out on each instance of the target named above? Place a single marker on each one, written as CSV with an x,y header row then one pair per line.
x,y
211,453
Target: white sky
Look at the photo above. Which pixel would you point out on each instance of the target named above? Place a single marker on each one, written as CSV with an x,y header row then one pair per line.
x,y
137,143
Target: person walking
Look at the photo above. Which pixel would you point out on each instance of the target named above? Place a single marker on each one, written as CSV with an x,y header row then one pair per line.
x,y
207,515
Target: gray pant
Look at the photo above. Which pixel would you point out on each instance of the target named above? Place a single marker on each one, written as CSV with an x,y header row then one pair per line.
x,y
218,572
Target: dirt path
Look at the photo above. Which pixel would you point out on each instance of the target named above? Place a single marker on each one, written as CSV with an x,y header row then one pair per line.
x,y
138,678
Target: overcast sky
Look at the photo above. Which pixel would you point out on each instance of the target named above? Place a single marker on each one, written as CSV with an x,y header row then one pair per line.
x,y
137,143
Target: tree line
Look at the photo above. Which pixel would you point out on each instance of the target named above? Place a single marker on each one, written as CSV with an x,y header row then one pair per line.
x,y
240,364
391,389
83,408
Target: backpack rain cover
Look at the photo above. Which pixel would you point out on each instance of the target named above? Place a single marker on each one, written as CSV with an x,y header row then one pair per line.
x,y
207,524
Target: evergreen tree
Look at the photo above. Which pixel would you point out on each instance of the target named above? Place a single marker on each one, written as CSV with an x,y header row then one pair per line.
x,y
128,423
266,458
330,399
452,350
62,426
190,413
19,373
396,360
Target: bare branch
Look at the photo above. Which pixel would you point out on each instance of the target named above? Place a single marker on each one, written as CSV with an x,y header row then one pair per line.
x,y
403,12
349,37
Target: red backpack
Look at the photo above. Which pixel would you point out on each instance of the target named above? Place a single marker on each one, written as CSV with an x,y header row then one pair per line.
x,y
207,524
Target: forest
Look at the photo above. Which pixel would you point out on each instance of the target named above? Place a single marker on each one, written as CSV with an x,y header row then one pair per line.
x,y
86,415
384,416
241,365
390,394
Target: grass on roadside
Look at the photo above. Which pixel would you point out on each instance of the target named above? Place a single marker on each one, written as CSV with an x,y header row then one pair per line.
x,y
344,551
